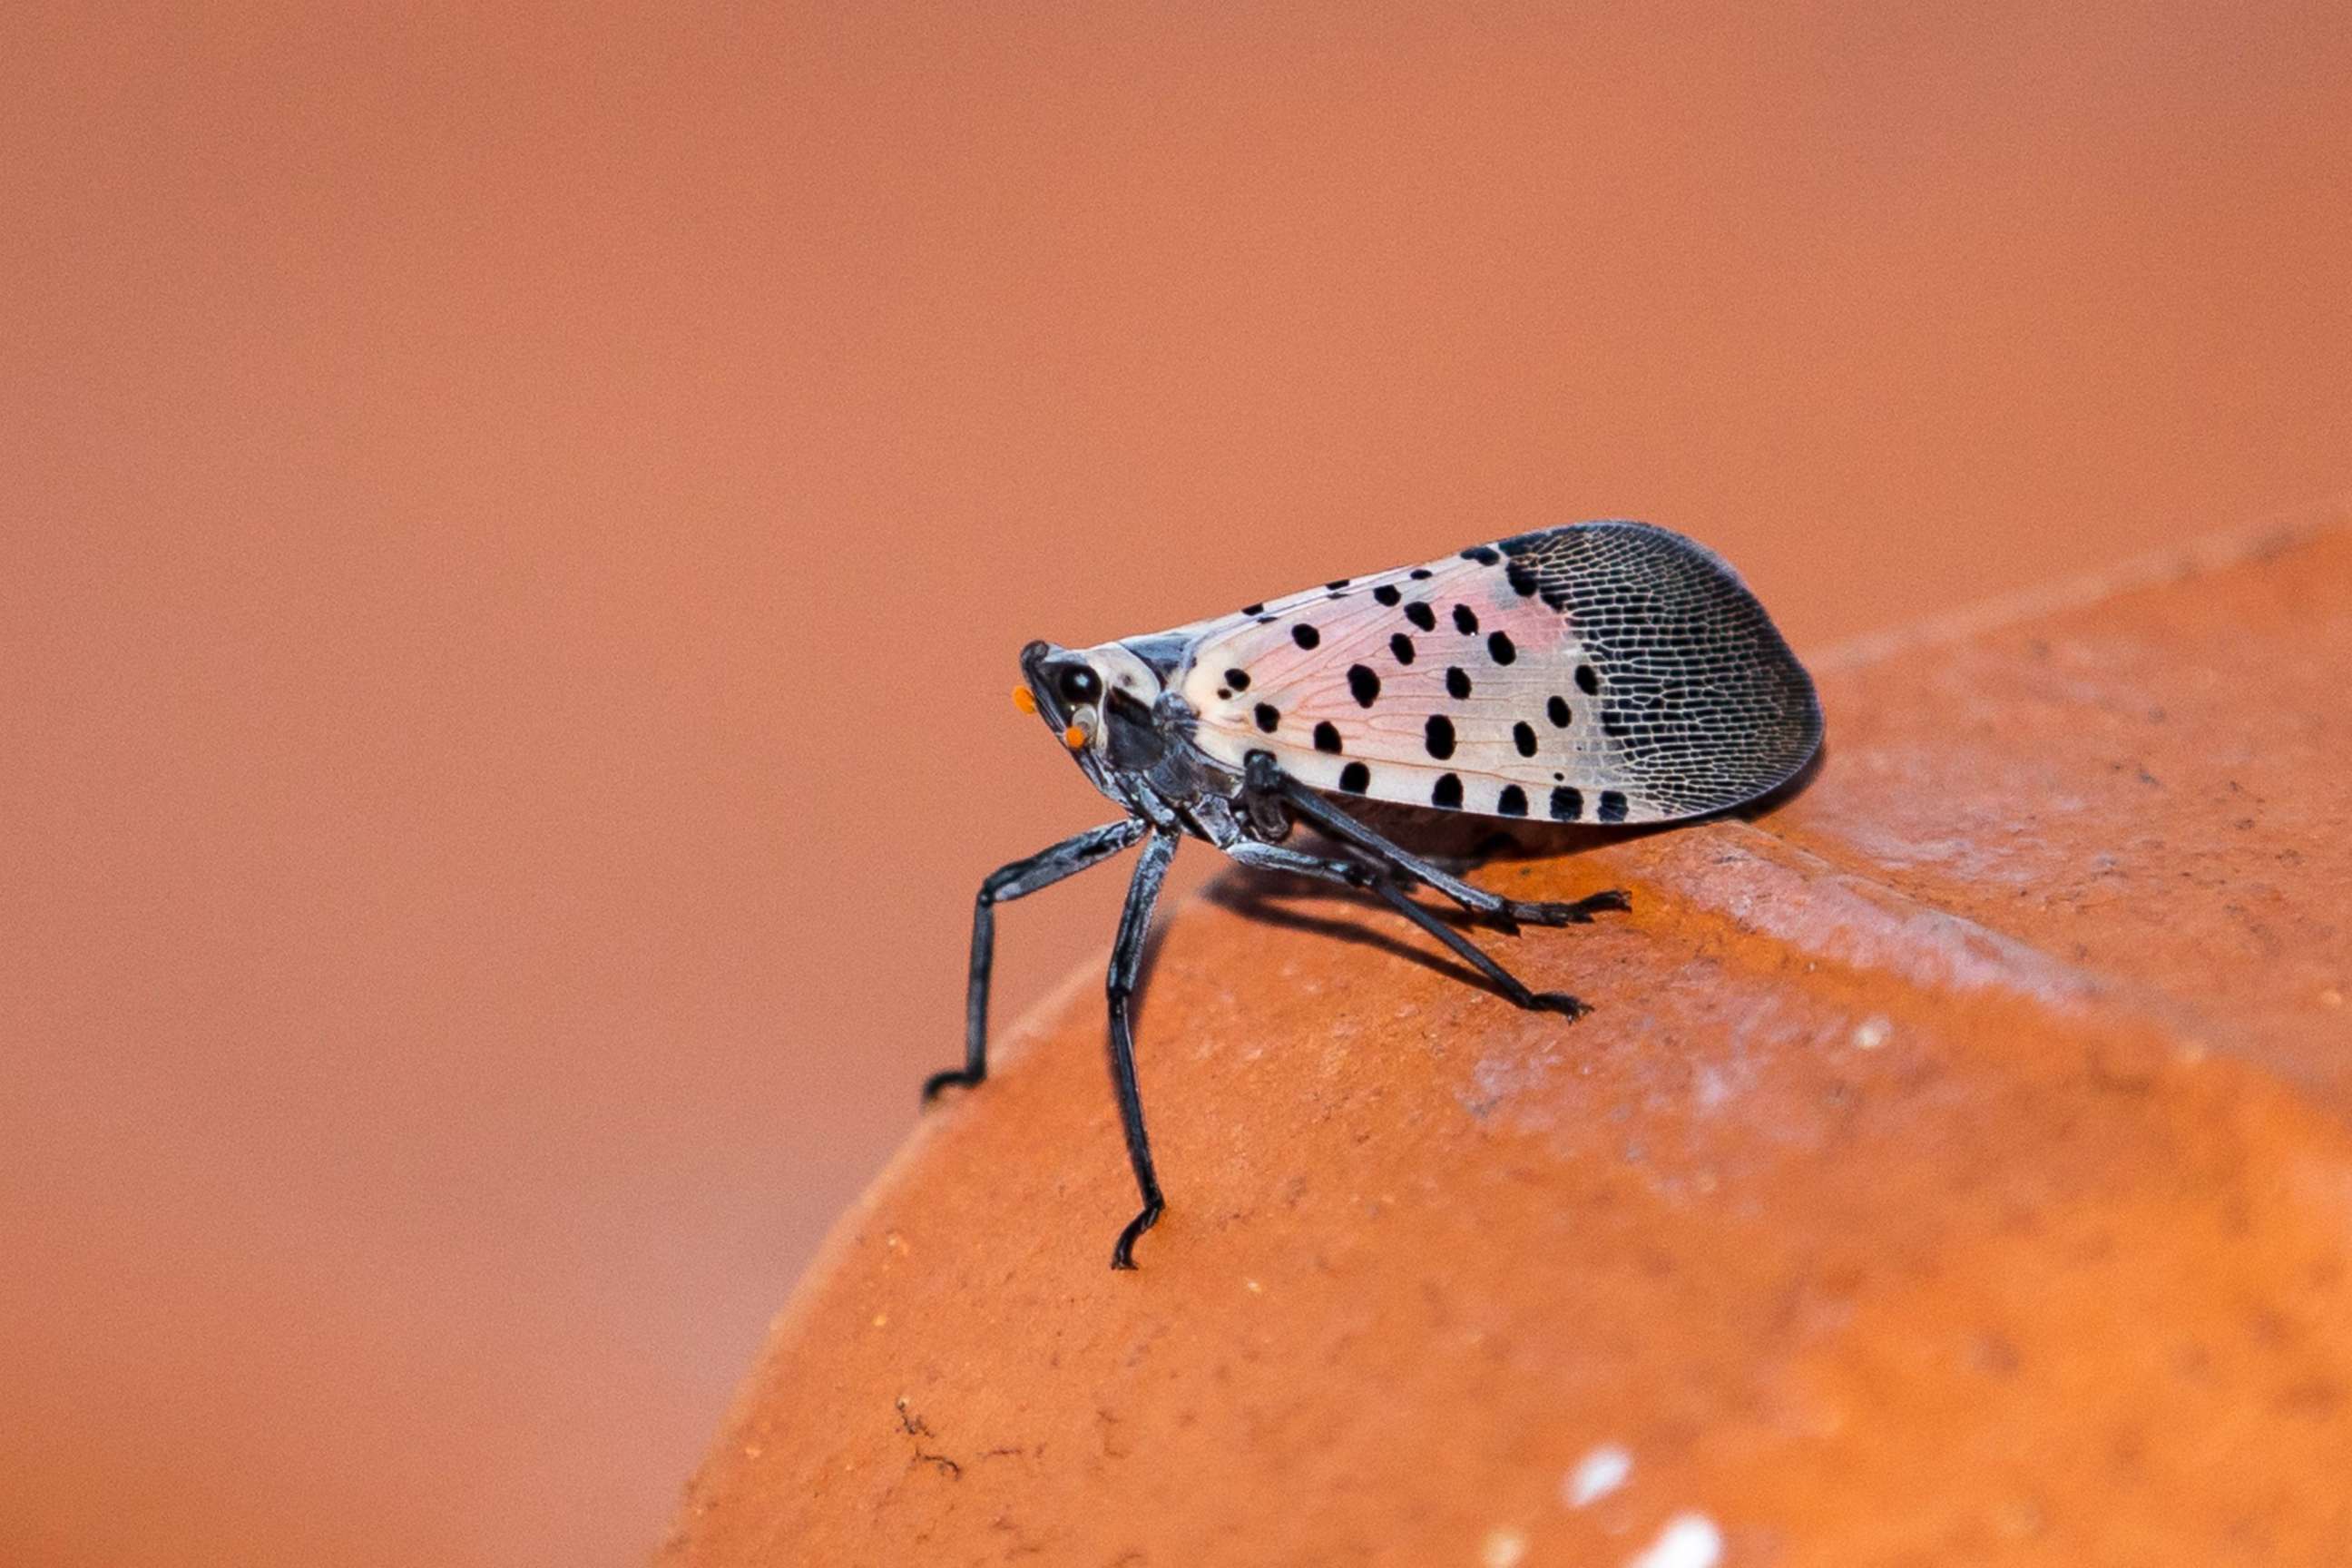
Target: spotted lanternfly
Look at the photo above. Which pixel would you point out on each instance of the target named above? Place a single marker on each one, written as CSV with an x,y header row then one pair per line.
x,y
1603,672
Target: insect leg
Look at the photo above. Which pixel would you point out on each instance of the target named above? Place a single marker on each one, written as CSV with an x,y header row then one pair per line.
x,y
1021,878
1126,966
1508,983
1499,911
1273,859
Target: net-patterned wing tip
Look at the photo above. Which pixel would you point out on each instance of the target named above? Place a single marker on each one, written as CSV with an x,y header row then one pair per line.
x,y
1703,705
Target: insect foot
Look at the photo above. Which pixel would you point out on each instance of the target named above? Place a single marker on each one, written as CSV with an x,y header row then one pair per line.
x,y
1122,1256
954,1078
1559,1001
1578,913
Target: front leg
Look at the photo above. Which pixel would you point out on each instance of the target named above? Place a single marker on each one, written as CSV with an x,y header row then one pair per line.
x,y
1005,883
1126,971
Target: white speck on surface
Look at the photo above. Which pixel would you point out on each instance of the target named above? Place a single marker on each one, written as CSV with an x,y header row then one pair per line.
x,y
1872,1031
1596,1475
1505,1548
1688,1540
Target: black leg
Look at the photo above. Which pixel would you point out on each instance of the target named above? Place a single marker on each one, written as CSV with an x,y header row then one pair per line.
x,y
1041,869
1126,966
1272,858
1498,910
1508,983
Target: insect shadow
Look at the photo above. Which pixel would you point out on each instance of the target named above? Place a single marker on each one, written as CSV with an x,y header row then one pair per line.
x,y
1271,897
1451,840
1459,844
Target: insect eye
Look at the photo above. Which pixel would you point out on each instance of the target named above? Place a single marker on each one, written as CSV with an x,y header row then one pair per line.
x,y
1077,685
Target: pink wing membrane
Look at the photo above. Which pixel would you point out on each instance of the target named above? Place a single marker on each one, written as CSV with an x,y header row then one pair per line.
x,y
1453,674
1609,673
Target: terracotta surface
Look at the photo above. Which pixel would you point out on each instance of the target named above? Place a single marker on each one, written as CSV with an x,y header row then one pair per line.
x,y
1958,1168
515,523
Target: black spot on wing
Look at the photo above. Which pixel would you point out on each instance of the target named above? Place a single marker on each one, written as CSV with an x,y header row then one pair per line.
x,y
1612,805
1558,711
1355,778
1523,737
1326,737
1481,554
1567,803
1512,802
1457,683
1305,635
1387,593
1238,680
1500,649
1364,685
1401,648
1420,616
1448,791
1466,620
1268,716
1437,736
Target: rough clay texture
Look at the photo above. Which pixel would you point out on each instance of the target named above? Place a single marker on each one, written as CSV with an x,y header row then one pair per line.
x,y
1958,1168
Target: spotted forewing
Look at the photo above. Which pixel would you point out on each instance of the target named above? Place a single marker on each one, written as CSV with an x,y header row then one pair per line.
x,y
1601,672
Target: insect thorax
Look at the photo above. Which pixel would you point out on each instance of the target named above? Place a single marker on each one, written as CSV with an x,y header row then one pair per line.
x,y
1197,792
1150,761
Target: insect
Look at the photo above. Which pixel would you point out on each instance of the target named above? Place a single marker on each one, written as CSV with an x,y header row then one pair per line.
x,y
1601,672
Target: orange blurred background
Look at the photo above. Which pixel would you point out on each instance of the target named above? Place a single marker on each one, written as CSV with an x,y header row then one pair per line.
x,y
518,520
